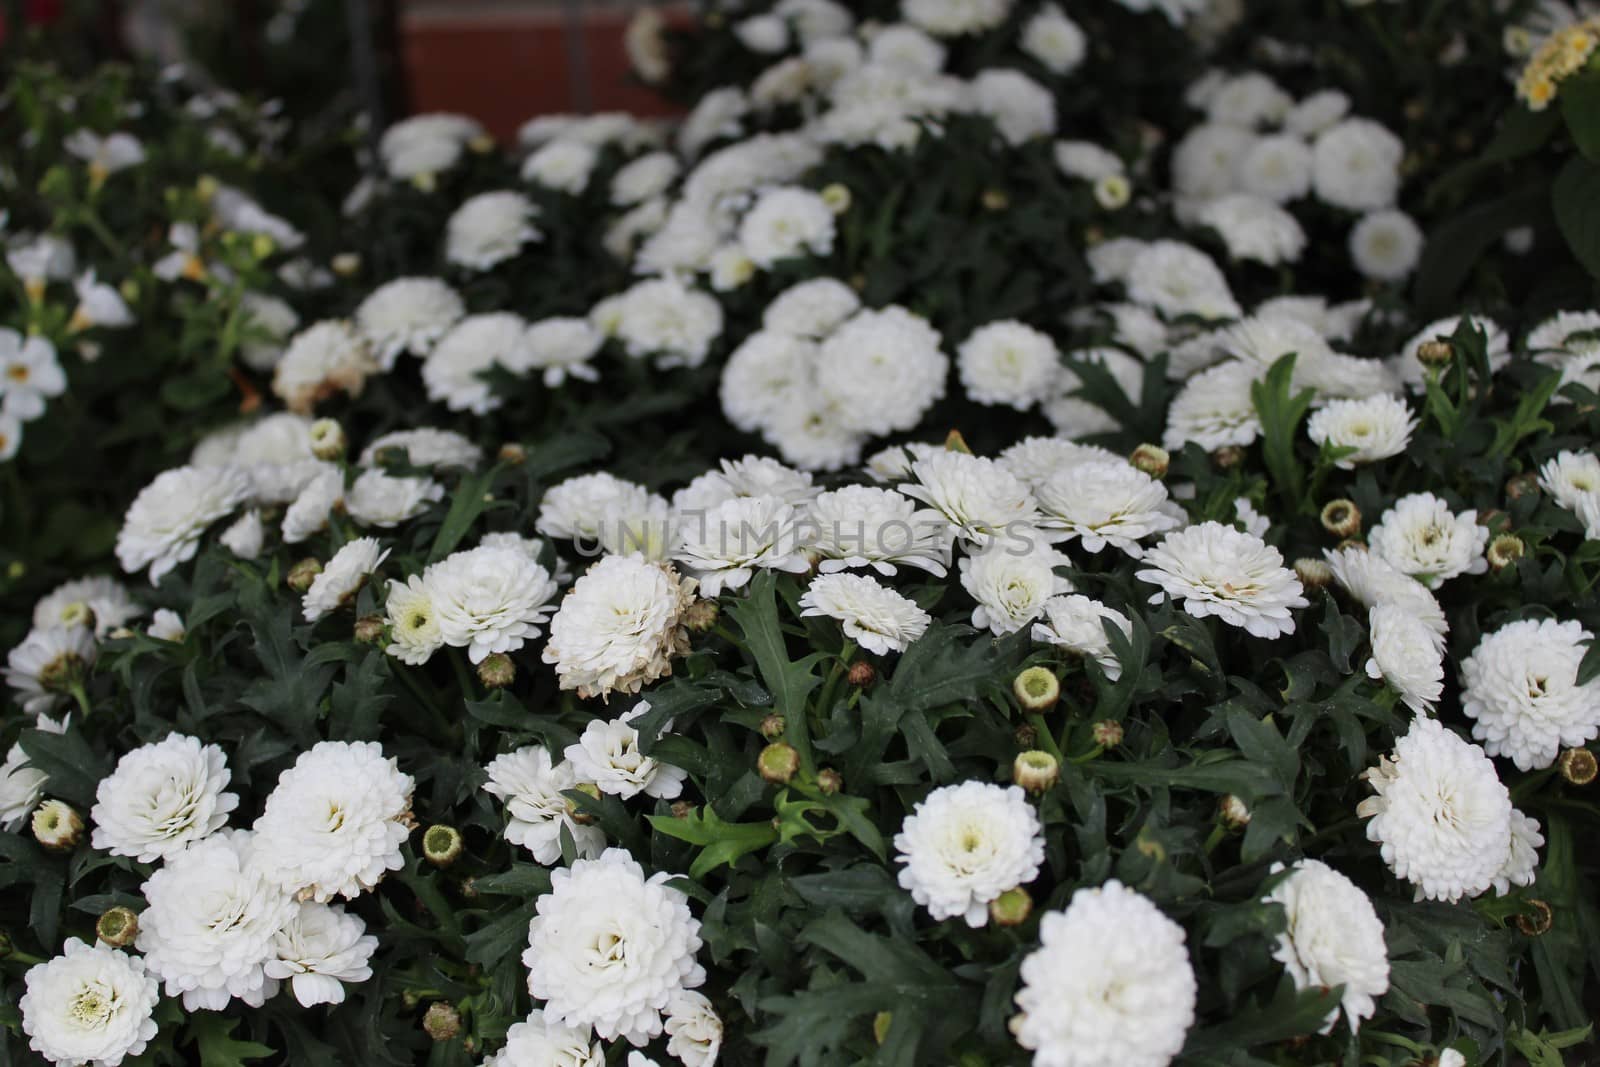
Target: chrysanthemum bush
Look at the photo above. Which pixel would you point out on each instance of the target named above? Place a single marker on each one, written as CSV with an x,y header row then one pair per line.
x,y
967,549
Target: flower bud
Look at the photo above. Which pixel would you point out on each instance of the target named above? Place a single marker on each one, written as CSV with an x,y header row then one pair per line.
x,y
482,144
1025,735
369,630
1341,518
1108,733
1152,459
580,816
1232,812
772,727
995,200
425,181
837,196
829,781
1521,485
1504,551
1495,521
778,763
513,454
206,187
346,264
1112,192
56,826
1011,908
410,998
469,891
1037,689
117,927
861,674
302,574
701,616
880,1026
1538,923
262,246
1435,354
1035,770
1227,457
1578,766
129,290
441,1021
1313,573
681,809
497,671
441,844
327,439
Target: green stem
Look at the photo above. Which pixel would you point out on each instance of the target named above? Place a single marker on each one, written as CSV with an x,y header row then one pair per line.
x,y
1218,832
80,696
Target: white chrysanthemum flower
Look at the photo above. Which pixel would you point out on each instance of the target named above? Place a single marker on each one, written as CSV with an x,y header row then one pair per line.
x,y
903,47
664,318
425,145
413,625
1054,40
1407,654
786,222
319,949
1386,245
1214,409
90,1005
490,228
334,823
1106,503
163,525
582,508
1247,100
1248,519
652,939
619,627
1110,982
978,496
954,18
161,797
1334,938
1563,333
563,165
767,374
1277,168
810,433
1077,623
1357,165
559,348
1520,688
1254,228
1087,161
1011,579
213,910
1020,107
813,308
489,599
766,34
541,1041
1522,861
342,577
325,358
530,785
1376,427
1420,536
309,512
1035,460
21,787
644,178
407,315
1205,163
1008,362
424,447
607,754
377,498
871,614
101,603
1573,480
867,526
752,475
1178,279
727,544
893,464
884,369
1441,815
1317,112
1217,570
44,664
453,371
964,845
1410,368
246,536
1371,580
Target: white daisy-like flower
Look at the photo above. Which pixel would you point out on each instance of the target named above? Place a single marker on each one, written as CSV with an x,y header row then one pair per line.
x,y
664,318
378,498
29,375
453,371
644,178
867,526
978,496
1371,580
320,949
1317,112
101,603
1334,938
313,505
1012,579
1573,480
1276,168
893,464
343,575
1217,570
413,625
1254,228
1520,688
163,525
1375,427
871,614
166,625
1247,100
786,222
607,754
884,369
1077,623
1054,40
727,544
213,911
245,536
1497,344
325,358
407,315
1106,503
425,145
964,845
489,599
490,228
1563,334
42,667
620,626
812,309
581,508
1111,982
334,823
563,165
1386,245
1357,165
1441,815
1420,536
1214,409
1087,161
1008,362
1205,164
106,155
1407,654
41,258
21,787
1035,460
99,305
621,991
425,446
753,475
530,785
1020,107
955,18
559,348
90,1005
767,374
162,797
542,1041
1178,279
